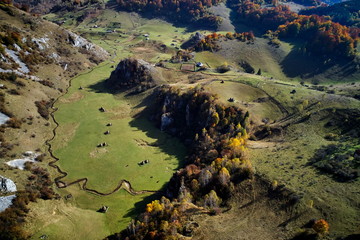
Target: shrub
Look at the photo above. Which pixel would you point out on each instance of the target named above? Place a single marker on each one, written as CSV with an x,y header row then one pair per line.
x,y
14,123
43,108
14,92
321,226
47,83
223,68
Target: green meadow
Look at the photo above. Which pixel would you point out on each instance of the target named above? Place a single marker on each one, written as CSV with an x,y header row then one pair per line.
x,y
131,140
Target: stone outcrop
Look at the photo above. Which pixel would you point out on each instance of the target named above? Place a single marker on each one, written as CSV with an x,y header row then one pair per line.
x,y
193,41
134,73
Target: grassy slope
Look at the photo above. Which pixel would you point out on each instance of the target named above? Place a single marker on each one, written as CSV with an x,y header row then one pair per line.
x,y
77,218
81,129
35,129
244,96
270,66
285,157
127,141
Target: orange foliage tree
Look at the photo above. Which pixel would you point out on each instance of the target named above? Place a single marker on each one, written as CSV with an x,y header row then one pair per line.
x,y
321,226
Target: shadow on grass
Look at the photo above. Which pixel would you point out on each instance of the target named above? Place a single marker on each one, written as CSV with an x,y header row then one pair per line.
x,y
301,64
165,143
100,87
139,207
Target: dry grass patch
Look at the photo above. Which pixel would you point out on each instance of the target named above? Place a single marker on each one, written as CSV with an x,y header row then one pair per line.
x,y
98,152
76,96
68,132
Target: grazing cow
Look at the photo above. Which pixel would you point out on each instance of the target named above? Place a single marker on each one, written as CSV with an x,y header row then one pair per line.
x,y
107,132
231,100
103,209
109,124
222,81
102,144
80,88
146,161
102,109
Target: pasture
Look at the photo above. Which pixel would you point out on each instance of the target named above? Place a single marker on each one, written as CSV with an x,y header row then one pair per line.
x,y
131,140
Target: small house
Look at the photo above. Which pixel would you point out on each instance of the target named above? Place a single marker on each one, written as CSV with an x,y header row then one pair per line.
x,y
199,64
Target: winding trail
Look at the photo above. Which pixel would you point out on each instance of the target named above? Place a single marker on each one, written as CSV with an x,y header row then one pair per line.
x,y
123,184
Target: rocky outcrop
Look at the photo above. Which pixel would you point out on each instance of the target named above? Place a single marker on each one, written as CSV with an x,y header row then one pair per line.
x,y
193,41
134,73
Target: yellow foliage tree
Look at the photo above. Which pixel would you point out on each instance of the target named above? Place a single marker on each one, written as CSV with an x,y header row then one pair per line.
x,y
212,199
215,119
217,164
224,176
154,206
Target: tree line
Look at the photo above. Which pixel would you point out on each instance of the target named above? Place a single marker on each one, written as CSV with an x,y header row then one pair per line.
x,y
209,42
190,11
322,35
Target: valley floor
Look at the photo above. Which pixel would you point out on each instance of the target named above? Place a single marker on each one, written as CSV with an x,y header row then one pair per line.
x,y
295,122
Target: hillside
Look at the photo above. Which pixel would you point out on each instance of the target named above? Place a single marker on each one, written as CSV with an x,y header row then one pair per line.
x,y
346,13
38,58
242,135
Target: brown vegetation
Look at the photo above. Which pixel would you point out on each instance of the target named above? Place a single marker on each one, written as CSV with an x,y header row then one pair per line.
x,y
12,219
43,108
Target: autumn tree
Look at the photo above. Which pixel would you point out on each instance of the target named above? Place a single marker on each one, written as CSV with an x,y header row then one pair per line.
x,y
321,226
205,177
224,176
212,200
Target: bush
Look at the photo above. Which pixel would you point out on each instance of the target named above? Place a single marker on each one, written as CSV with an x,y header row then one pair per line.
x,y
47,83
43,108
321,226
223,68
14,92
14,123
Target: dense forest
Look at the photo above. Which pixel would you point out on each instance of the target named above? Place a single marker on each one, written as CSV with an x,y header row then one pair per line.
x,y
190,11
322,35
346,13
